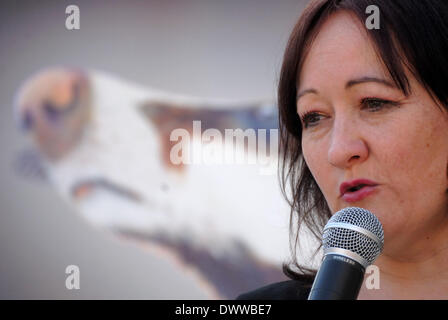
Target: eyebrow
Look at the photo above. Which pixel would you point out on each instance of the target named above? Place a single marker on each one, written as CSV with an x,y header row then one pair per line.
x,y
350,84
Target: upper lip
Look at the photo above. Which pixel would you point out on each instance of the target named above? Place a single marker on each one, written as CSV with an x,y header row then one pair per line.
x,y
345,186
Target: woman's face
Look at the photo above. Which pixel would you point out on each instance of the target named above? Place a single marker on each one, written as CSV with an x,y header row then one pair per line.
x,y
357,125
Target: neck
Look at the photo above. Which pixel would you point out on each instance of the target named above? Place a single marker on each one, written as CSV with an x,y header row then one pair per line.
x,y
419,273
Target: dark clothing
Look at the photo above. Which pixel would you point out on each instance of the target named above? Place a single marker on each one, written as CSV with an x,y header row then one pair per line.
x,y
285,290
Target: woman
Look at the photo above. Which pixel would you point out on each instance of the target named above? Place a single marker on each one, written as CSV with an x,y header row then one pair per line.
x,y
358,103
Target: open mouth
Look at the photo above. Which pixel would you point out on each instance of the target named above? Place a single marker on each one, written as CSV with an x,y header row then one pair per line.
x,y
86,186
356,188
357,192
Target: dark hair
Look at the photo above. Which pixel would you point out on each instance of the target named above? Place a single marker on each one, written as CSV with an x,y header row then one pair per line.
x,y
413,35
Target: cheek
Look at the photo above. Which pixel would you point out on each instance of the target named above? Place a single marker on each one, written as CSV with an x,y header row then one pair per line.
x,y
419,152
316,159
312,155
413,165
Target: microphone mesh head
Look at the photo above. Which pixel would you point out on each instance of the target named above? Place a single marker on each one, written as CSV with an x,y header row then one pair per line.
x,y
347,228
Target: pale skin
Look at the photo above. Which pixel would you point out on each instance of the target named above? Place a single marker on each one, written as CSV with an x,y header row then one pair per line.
x,y
350,132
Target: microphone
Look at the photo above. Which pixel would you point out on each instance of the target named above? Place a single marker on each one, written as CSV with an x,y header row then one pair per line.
x,y
352,239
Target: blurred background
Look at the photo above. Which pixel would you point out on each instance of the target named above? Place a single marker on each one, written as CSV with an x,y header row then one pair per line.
x,y
211,49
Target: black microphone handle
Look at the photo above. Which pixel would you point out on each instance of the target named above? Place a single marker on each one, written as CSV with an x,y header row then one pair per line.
x,y
338,278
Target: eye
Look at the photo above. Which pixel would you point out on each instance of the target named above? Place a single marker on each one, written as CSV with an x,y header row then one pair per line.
x,y
376,104
310,119
51,111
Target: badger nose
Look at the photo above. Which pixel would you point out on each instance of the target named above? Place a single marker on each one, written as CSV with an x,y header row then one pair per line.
x,y
26,121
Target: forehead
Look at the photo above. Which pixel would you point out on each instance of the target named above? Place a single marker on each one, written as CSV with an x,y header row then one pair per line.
x,y
341,49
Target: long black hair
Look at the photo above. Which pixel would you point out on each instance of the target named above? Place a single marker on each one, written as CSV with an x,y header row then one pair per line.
x,y
413,35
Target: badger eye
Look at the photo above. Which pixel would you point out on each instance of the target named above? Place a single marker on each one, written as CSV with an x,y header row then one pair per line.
x,y
51,111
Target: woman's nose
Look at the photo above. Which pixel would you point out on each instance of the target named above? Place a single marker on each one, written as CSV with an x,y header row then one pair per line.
x,y
347,145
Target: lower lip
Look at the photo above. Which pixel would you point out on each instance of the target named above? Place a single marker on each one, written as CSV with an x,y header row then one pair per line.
x,y
358,195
